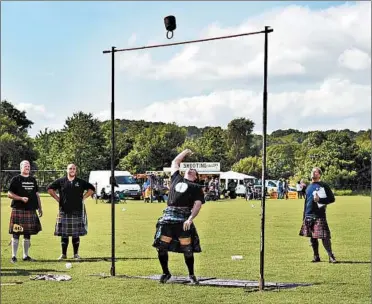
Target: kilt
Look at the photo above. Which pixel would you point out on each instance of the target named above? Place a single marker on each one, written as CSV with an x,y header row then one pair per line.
x,y
317,229
73,224
175,231
24,222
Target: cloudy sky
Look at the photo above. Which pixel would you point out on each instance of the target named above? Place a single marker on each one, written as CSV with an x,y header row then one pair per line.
x,y
319,62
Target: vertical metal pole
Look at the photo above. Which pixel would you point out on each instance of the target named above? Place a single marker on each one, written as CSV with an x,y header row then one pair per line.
x,y
112,271
261,282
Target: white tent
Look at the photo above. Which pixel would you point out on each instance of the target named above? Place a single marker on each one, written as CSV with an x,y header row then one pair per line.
x,y
239,177
235,175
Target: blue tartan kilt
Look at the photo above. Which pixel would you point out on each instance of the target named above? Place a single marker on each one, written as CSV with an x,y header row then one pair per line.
x,y
73,224
24,222
315,228
175,230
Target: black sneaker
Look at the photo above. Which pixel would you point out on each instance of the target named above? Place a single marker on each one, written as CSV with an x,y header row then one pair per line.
x,y
332,259
193,280
13,260
316,259
164,278
28,259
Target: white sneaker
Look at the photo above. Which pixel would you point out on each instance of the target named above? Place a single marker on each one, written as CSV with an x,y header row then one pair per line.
x,y
62,257
77,257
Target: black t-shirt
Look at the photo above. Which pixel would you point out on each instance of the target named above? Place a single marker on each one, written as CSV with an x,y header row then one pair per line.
x,y
70,193
184,193
24,187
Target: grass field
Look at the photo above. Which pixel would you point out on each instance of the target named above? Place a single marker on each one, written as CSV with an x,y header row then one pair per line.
x,y
226,228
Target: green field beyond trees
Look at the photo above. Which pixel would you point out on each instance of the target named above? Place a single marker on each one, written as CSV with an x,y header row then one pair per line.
x,y
226,228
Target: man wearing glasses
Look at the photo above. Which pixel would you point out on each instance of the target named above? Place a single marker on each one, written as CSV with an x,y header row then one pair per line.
x,y
176,231
72,219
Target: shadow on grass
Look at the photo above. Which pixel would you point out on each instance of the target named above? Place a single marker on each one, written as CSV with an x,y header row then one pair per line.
x,y
353,262
10,272
248,286
95,259
278,287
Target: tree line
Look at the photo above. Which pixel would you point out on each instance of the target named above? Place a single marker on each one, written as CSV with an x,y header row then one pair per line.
x,y
344,155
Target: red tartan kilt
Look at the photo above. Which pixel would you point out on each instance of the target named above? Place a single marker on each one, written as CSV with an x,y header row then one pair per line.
x,y
26,219
319,230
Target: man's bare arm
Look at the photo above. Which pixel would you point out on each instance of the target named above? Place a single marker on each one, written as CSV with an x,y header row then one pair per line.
x,y
194,212
39,204
88,193
53,194
178,159
11,195
16,197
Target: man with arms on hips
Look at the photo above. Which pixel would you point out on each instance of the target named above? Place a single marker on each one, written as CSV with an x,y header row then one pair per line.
x,y
175,229
315,225
72,218
23,191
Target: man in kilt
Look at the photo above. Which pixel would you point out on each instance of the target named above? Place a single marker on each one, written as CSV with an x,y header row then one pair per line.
x,y
23,191
72,218
315,226
175,230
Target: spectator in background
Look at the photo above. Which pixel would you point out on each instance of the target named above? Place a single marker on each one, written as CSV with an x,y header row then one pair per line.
x,y
280,189
299,189
303,184
315,225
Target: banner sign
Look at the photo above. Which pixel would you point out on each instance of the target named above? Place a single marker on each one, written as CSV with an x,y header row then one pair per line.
x,y
201,167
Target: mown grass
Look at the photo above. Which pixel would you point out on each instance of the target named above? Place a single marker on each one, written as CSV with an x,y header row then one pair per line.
x,y
226,228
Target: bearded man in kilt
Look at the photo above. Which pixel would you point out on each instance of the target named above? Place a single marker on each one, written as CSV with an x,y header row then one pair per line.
x,y
72,217
23,191
315,225
175,230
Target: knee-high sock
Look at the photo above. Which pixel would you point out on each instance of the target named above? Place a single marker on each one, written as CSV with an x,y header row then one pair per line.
x,y
15,242
26,246
64,244
189,260
315,245
327,246
163,259
75,244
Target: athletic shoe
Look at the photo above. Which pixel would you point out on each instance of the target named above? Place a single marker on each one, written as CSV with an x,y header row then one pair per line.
x,y
164,278
316,259
77,257
28,259
13,260
332,259
62,257
193,280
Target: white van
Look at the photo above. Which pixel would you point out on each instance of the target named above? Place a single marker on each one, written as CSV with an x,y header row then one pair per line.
x,y
125,180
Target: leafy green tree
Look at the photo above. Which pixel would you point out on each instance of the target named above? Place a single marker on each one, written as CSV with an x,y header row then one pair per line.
x,y
251,165
15,143
335,155
281,160
239,138
19,117
83,143
154,148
